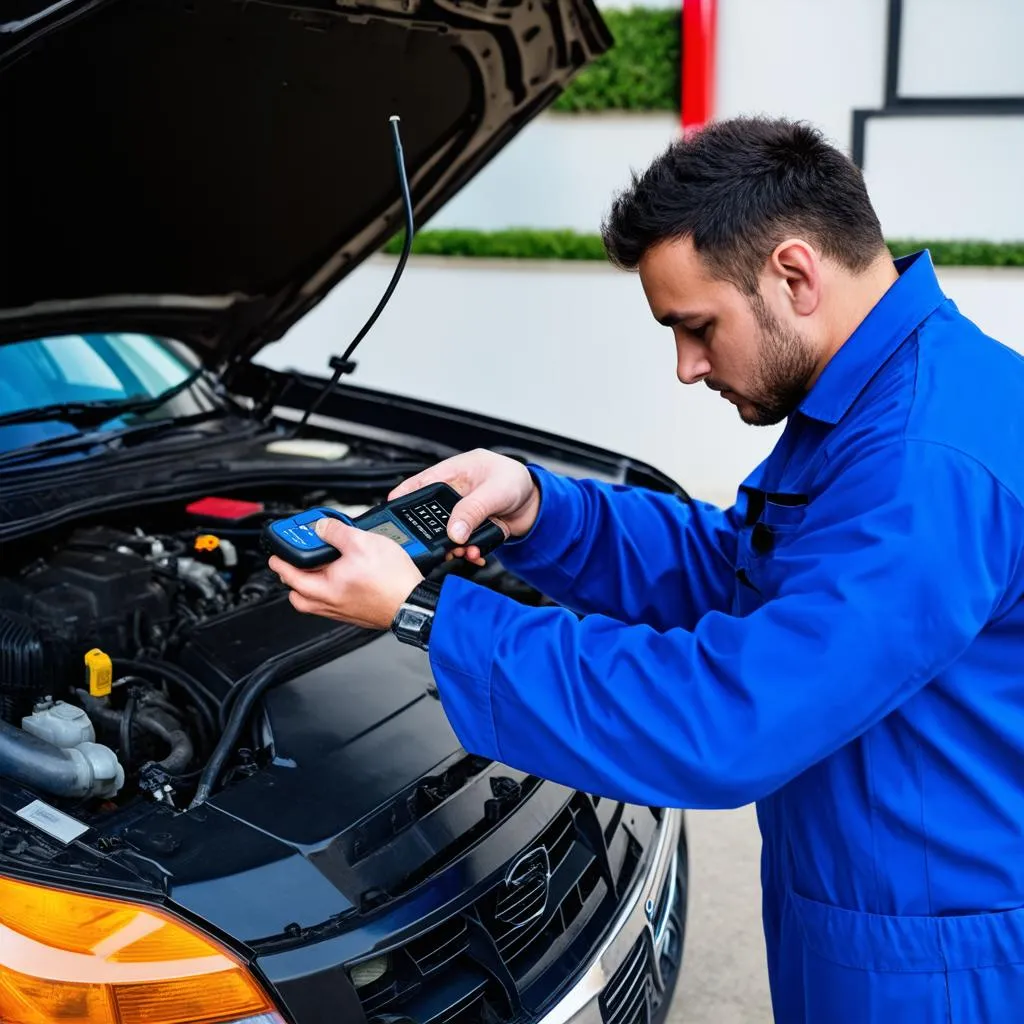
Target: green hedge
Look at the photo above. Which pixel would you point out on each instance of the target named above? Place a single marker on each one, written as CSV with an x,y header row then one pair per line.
x,y
966,254
639,72
512,244
535,244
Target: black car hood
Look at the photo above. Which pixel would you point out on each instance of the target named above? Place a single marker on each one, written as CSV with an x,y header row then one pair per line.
x,y
210,170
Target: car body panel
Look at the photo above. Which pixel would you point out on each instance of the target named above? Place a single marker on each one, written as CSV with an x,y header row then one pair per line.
x,y
243,165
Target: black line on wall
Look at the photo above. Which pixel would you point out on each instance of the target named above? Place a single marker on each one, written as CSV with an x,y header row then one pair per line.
x,y
918,106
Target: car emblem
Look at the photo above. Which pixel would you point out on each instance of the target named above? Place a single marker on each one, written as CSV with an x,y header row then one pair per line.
x,y
524,896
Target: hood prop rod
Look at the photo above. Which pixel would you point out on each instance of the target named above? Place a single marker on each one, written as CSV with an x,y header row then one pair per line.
x,y
344,363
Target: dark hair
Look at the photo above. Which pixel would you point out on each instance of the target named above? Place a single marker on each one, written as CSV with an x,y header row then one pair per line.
x,y
737,188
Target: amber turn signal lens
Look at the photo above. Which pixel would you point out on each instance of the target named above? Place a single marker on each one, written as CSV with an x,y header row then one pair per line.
x,y
77,959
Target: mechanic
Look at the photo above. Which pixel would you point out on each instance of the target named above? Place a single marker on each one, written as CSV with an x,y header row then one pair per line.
x,y
844,645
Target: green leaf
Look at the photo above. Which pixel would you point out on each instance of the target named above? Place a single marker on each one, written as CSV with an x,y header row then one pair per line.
x,y
640,71
539,244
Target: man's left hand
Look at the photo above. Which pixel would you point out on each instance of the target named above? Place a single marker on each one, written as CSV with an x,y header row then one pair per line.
x,y
366,586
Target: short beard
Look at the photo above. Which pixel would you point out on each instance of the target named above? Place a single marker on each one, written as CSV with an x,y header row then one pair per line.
x,y
784,367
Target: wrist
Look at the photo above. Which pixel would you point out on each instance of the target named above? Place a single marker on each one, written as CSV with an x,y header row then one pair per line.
x,y
522,522
415,617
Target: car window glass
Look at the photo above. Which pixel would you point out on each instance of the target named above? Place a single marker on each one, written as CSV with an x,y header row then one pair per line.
x,y
78,363
86,368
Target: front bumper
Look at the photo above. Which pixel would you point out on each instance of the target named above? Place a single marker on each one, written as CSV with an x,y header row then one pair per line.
x,y
625,972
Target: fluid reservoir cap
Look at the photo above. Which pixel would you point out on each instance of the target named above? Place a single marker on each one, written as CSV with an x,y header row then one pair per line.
x,y
99,672
63,725
207,542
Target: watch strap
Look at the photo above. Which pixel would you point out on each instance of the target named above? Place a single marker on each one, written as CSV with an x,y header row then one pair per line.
x,y
425,595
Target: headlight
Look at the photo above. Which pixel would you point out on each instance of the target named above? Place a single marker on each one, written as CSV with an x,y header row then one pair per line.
x,y
90,960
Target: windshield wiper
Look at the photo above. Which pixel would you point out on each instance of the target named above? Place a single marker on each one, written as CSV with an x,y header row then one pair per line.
x,y
106,438
97,411
70,412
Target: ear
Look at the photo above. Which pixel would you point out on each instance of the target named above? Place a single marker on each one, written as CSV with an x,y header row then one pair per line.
x,y
796,266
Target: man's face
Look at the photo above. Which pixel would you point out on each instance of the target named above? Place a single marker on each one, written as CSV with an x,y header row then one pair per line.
x,y
731,341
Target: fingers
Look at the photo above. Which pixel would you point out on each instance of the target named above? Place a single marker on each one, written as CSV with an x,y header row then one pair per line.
x,y
474,508
471,554
335,532
302,604
308,583
443,472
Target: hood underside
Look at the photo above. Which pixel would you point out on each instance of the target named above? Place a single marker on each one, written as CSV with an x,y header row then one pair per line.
x,y
210,169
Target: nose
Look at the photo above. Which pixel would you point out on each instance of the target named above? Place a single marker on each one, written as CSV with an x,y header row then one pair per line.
x,y
692,364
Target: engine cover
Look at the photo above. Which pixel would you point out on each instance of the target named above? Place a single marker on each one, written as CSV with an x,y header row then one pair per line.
x,y
228,648
92,595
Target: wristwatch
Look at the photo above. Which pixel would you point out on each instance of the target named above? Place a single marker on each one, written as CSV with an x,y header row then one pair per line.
x,y
413,620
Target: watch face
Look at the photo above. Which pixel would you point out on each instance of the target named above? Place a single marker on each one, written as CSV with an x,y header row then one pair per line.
x,y
412,625
414,618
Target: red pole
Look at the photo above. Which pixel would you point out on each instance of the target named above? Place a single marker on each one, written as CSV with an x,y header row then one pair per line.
x,y
698,59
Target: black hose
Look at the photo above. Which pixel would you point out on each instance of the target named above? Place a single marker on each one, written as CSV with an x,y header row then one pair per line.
x,y
206,703
149,715
33,762
224,711
125,730
173,735
97,708
273,671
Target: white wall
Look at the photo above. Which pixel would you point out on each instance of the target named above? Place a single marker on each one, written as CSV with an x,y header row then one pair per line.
x,y
561,172
816,60
810,59
955,177
952,48
570,348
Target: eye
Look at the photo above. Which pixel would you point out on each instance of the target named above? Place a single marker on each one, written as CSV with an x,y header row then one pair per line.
x,y
700,332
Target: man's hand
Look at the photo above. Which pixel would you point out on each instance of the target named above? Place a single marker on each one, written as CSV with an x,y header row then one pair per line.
x,y
492,486
366,586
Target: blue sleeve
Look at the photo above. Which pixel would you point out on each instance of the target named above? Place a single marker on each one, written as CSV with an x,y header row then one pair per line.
x,y
628,552
894,571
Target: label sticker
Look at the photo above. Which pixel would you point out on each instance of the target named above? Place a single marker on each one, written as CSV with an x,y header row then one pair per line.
x,y
53,822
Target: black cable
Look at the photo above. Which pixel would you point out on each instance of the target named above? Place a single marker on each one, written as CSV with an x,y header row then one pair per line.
x,y
344,364
125,730
180,754
275,670
224,712
206,703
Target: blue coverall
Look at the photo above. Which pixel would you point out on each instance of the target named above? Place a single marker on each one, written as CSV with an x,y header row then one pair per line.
x,y
844,646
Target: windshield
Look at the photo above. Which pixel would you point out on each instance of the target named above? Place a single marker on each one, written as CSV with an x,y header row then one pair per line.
x,y
84,369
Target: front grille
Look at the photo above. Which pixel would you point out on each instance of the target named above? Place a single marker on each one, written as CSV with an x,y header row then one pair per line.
x,y
573,880
477,966
440,945
627,998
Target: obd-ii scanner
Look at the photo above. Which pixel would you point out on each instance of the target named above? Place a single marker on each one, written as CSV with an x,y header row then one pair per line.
x,y
417,521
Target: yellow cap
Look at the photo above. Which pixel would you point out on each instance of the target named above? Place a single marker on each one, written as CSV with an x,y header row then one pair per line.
x,y
207,542
100,672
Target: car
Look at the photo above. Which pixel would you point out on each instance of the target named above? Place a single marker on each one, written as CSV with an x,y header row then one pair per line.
x,y
214,809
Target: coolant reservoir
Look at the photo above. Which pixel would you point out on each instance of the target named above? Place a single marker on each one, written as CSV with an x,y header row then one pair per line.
x,y
63,725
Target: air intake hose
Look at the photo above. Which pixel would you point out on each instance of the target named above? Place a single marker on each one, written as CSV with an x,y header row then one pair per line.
x,y
86,770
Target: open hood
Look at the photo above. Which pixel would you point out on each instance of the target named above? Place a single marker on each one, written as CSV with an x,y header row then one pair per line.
x,y
210,169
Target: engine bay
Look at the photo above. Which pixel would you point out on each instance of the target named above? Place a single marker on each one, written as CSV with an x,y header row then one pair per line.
x,y
123,644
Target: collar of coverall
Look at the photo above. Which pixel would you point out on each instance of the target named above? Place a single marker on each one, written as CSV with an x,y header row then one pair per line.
x,y
910,300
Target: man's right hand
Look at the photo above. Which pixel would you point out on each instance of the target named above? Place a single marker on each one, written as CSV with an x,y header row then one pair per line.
x,y
492,486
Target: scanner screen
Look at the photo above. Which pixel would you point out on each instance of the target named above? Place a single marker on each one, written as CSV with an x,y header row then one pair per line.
x,y
392,532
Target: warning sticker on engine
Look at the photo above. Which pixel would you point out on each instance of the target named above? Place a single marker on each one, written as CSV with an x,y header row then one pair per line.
x,y
53,822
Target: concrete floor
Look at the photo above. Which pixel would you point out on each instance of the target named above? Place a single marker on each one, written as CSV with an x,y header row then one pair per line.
x,y
724,979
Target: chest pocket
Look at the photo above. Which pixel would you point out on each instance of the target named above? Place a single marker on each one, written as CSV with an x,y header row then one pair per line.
x,y
771,519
